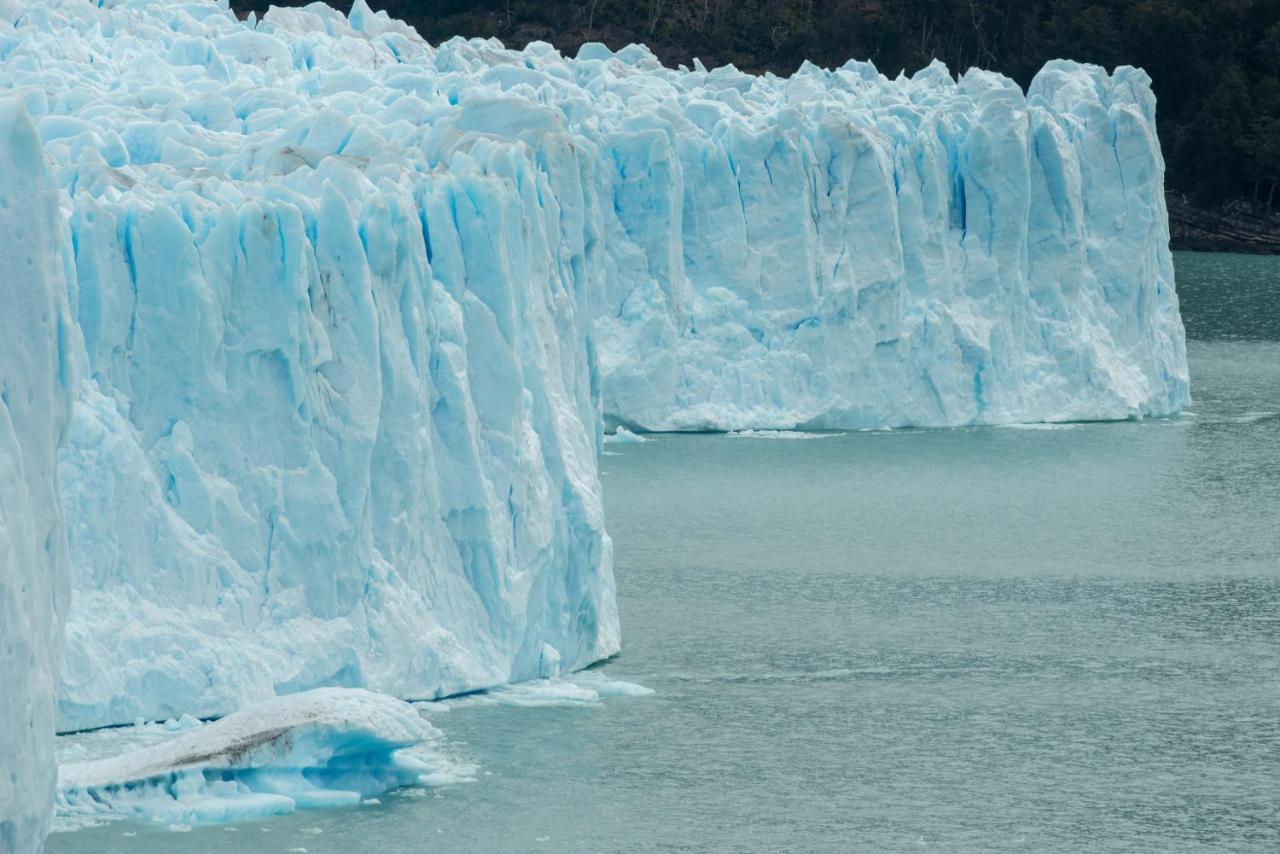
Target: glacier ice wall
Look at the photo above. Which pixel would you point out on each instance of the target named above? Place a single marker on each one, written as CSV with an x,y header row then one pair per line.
x,y
838,250
352,307
35,397
339,421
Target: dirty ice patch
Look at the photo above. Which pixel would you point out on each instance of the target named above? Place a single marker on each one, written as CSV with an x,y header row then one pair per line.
x,y
322,748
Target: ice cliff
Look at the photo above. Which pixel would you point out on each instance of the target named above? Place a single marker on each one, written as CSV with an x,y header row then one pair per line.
x,y
839,250
35,384
350,309
338,419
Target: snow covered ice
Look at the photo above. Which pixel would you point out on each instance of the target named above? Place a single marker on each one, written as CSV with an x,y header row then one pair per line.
x,y
350,312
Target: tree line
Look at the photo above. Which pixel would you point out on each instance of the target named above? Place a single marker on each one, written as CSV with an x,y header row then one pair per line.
x,y
1215,64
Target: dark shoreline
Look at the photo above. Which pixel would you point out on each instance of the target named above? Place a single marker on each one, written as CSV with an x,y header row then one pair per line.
x,y
1222,230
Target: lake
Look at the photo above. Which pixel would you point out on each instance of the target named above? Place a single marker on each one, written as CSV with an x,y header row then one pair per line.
x,y
1045,638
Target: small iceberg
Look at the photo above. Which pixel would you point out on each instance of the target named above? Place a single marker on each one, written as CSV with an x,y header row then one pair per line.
x,y
623,436
322,748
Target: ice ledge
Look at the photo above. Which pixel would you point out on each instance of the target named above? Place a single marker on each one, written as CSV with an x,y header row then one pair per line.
x,y
321,748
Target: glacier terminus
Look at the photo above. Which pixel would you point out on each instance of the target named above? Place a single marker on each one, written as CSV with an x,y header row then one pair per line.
x,y
325,325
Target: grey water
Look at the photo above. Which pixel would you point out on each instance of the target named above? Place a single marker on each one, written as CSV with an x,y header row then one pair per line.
x,y
995,639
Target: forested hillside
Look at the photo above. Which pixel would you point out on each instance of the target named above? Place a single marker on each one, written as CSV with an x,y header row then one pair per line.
x,y
1215,63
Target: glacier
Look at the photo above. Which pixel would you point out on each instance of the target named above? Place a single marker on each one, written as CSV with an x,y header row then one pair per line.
x,y
838,250
348,315
338,416
35,400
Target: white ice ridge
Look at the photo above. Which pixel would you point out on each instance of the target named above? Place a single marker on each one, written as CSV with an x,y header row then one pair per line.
x,y
321,748
35,397
352,307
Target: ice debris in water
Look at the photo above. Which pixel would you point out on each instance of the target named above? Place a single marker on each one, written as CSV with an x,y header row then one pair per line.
x,y
586,688
623,436
327,747
781,434
180,724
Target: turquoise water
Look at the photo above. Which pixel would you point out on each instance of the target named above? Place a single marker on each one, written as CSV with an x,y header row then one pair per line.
x,y
1229,297
989,639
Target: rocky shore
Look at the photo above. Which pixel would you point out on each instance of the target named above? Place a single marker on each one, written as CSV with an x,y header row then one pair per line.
x,y
1229,229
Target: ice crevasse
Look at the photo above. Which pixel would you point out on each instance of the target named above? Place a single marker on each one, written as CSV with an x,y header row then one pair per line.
x,y
351,309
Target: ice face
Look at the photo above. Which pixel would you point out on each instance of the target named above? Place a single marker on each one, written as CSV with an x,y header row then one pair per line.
x,y
35,385
339,416
838,250
349,309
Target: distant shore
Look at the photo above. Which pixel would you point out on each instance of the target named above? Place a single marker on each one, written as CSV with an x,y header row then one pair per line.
x,y
1223,230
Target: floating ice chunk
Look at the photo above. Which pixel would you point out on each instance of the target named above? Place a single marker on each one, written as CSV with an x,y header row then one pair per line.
x,y
179,724
604,686
781,434
328,747
623,436
1043,425
587,688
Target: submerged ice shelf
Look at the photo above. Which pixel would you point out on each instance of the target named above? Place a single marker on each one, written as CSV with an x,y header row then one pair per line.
x,y
326,747
320,748
349,312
